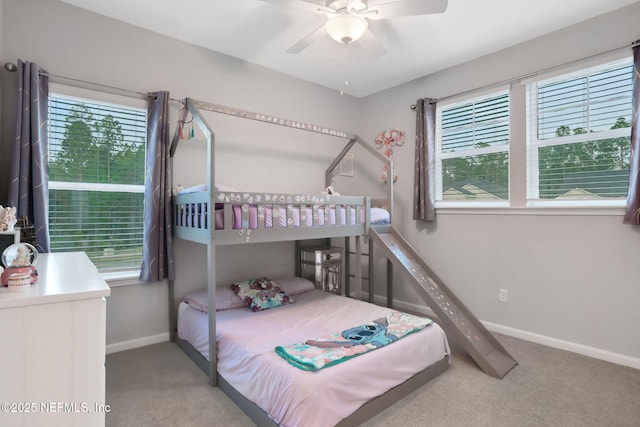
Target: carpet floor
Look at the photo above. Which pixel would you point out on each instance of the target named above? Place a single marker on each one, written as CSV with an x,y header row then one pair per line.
x,y
159,386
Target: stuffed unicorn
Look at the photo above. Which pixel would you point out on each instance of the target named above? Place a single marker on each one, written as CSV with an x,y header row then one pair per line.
x,y
329,191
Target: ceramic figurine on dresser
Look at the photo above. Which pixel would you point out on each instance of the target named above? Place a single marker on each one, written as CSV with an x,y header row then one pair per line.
x,y
18,260
7,218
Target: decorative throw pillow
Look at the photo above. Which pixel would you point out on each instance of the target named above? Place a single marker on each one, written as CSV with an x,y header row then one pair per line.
x,y
261,294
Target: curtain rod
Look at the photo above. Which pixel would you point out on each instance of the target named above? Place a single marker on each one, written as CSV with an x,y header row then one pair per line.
x,y
11,67
92,85
524,76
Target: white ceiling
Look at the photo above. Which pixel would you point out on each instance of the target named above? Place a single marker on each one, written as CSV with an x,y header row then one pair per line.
x,y
261,32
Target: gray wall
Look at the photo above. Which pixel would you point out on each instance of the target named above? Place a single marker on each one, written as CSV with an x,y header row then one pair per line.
x,y
71,42
571,277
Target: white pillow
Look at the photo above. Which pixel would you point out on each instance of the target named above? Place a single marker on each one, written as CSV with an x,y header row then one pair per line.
x,y
193,189
294,285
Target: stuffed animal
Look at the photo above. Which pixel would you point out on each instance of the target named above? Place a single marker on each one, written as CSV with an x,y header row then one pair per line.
x,y
374,333
262,284
330,191
177,189
7,218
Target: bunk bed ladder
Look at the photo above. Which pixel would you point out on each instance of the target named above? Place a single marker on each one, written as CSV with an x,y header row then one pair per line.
x,y
454,317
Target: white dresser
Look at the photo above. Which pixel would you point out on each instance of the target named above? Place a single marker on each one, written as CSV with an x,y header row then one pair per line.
x,y
52,346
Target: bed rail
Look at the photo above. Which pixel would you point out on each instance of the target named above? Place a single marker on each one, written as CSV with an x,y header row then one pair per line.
x,y
268,217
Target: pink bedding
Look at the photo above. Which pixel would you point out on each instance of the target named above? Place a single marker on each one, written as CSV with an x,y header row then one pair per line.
x,y
290,396
263,217
195,214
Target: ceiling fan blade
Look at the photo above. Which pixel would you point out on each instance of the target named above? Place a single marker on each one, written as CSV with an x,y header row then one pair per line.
x,y
368,47
385,33
392,9
308,6
308,40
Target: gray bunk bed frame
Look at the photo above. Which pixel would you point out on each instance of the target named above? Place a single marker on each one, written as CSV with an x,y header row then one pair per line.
x,y
194,220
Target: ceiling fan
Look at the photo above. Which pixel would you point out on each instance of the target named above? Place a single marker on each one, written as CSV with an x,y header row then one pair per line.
x,y
348,20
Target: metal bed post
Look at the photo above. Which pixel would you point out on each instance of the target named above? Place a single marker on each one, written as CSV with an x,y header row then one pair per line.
x,y
296,267
211,247
347,266
358,272
389,283
371,267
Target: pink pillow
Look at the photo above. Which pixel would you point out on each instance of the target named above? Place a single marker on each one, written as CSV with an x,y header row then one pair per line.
x,y
295,285
225,300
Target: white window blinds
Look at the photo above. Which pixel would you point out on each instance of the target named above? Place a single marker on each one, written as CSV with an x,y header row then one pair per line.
x,y
472,151
578,135
96,180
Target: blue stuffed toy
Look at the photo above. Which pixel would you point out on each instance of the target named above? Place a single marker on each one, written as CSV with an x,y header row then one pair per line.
x,y
375,334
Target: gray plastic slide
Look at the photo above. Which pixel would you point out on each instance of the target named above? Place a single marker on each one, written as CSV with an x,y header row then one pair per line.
x,y
454,317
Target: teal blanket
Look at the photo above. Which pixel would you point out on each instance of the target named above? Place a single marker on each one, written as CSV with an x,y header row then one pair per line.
x,y
335,348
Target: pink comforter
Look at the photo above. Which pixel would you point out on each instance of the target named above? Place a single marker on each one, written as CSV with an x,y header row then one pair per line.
x,y
290,396
264,217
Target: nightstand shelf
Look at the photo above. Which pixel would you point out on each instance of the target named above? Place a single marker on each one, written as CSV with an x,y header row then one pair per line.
x,y
323,266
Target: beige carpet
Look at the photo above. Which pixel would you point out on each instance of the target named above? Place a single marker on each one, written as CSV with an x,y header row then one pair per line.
x,y
159,386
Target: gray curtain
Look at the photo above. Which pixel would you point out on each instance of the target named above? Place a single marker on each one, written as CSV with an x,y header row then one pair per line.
x,y
28,185
632,214
157,258
424,179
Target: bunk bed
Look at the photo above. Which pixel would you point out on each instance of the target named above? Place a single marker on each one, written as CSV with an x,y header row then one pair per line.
x,y
216,216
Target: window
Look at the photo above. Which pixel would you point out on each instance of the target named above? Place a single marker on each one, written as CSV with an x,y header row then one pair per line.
x,y
96,180
472,150
578,136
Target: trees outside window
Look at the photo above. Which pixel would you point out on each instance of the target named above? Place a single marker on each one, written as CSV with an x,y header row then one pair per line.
x,y
96,181
579,135
472,153
578,142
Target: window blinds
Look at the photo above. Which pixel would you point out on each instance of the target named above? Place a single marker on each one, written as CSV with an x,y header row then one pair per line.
x,y
473,149
579,135
96,180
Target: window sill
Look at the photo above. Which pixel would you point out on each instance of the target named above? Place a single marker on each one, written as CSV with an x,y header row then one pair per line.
x,y
559,210
122,278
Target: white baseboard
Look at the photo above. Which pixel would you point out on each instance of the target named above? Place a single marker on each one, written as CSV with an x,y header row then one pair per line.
x,y
596,353
138,342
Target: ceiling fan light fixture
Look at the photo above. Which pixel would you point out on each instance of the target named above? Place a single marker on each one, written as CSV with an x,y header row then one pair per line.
x,y
346,28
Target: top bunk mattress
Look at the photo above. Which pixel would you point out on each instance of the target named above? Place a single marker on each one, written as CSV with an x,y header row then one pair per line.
x,y
266,216
293,397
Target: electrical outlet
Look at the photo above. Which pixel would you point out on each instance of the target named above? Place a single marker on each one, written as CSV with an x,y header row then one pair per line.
x,y
503,296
